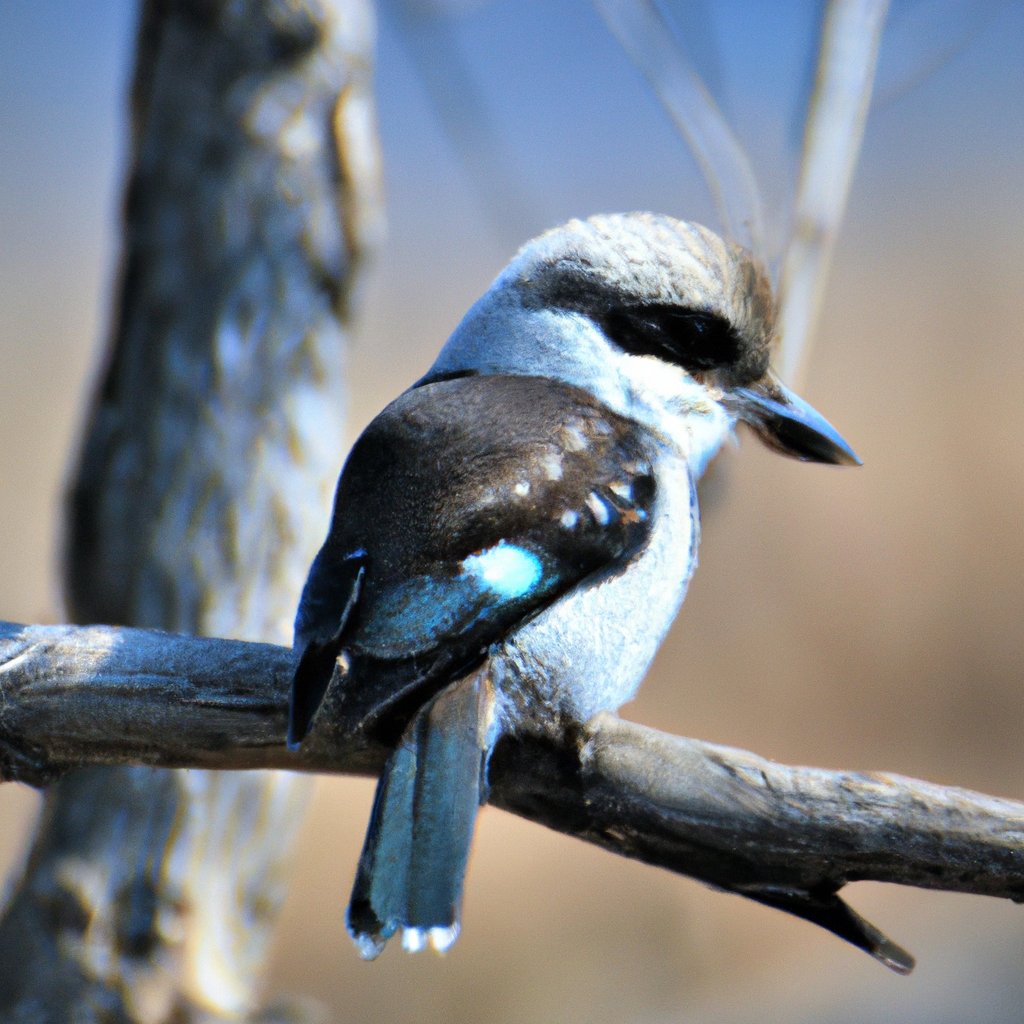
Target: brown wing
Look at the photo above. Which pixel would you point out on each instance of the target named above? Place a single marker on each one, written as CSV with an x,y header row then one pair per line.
x,y
466,507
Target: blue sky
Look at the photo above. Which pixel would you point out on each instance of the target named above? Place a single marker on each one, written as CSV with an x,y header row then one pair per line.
x,y
576,122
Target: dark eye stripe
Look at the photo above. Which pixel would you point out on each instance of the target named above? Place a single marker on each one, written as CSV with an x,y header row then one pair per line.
x,y
695,341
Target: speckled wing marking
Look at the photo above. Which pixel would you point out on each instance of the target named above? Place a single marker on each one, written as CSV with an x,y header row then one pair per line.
x,y
466,507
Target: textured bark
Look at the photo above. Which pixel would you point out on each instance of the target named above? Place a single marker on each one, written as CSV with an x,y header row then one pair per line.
x,y
203,489
786,836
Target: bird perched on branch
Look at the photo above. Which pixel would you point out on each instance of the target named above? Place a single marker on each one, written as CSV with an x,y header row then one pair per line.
x,y
513,536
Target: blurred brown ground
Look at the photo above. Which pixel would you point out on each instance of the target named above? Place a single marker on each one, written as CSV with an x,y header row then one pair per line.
x,y
864,619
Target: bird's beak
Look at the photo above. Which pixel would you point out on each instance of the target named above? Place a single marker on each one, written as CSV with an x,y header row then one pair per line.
x,y
788,425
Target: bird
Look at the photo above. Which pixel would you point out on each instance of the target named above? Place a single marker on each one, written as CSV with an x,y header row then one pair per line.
x,y
513,536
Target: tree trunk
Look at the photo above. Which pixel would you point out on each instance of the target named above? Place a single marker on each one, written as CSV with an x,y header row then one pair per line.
x,y
203,490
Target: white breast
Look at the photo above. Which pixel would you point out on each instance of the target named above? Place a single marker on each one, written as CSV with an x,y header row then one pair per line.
x,y
590,650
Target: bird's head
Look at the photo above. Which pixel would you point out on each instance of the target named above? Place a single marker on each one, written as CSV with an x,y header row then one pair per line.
x,y
660,319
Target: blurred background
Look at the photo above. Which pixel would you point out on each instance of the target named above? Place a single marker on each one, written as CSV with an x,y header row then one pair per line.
x,y
868,619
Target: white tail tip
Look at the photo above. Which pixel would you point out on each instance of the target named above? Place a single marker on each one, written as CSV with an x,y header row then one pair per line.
x,y
439,939
442,939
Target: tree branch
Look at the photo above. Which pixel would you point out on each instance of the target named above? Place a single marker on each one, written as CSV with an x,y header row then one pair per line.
x,y
785,836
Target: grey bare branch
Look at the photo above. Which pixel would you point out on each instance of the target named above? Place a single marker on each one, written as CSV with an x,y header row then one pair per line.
x,y
786,836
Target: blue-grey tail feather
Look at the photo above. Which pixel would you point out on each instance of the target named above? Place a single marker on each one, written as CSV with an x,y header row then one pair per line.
x,y
414,860
377,906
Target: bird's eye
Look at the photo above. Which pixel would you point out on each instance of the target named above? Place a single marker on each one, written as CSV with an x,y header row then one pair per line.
x,y
695,341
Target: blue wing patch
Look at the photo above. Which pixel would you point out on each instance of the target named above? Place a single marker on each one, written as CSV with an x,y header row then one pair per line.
x,y
505,569
417,614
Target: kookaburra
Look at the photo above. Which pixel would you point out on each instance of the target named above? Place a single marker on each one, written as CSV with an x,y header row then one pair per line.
x,y
513,536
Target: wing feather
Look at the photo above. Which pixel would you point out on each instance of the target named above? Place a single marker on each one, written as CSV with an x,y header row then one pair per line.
x,y
470,505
